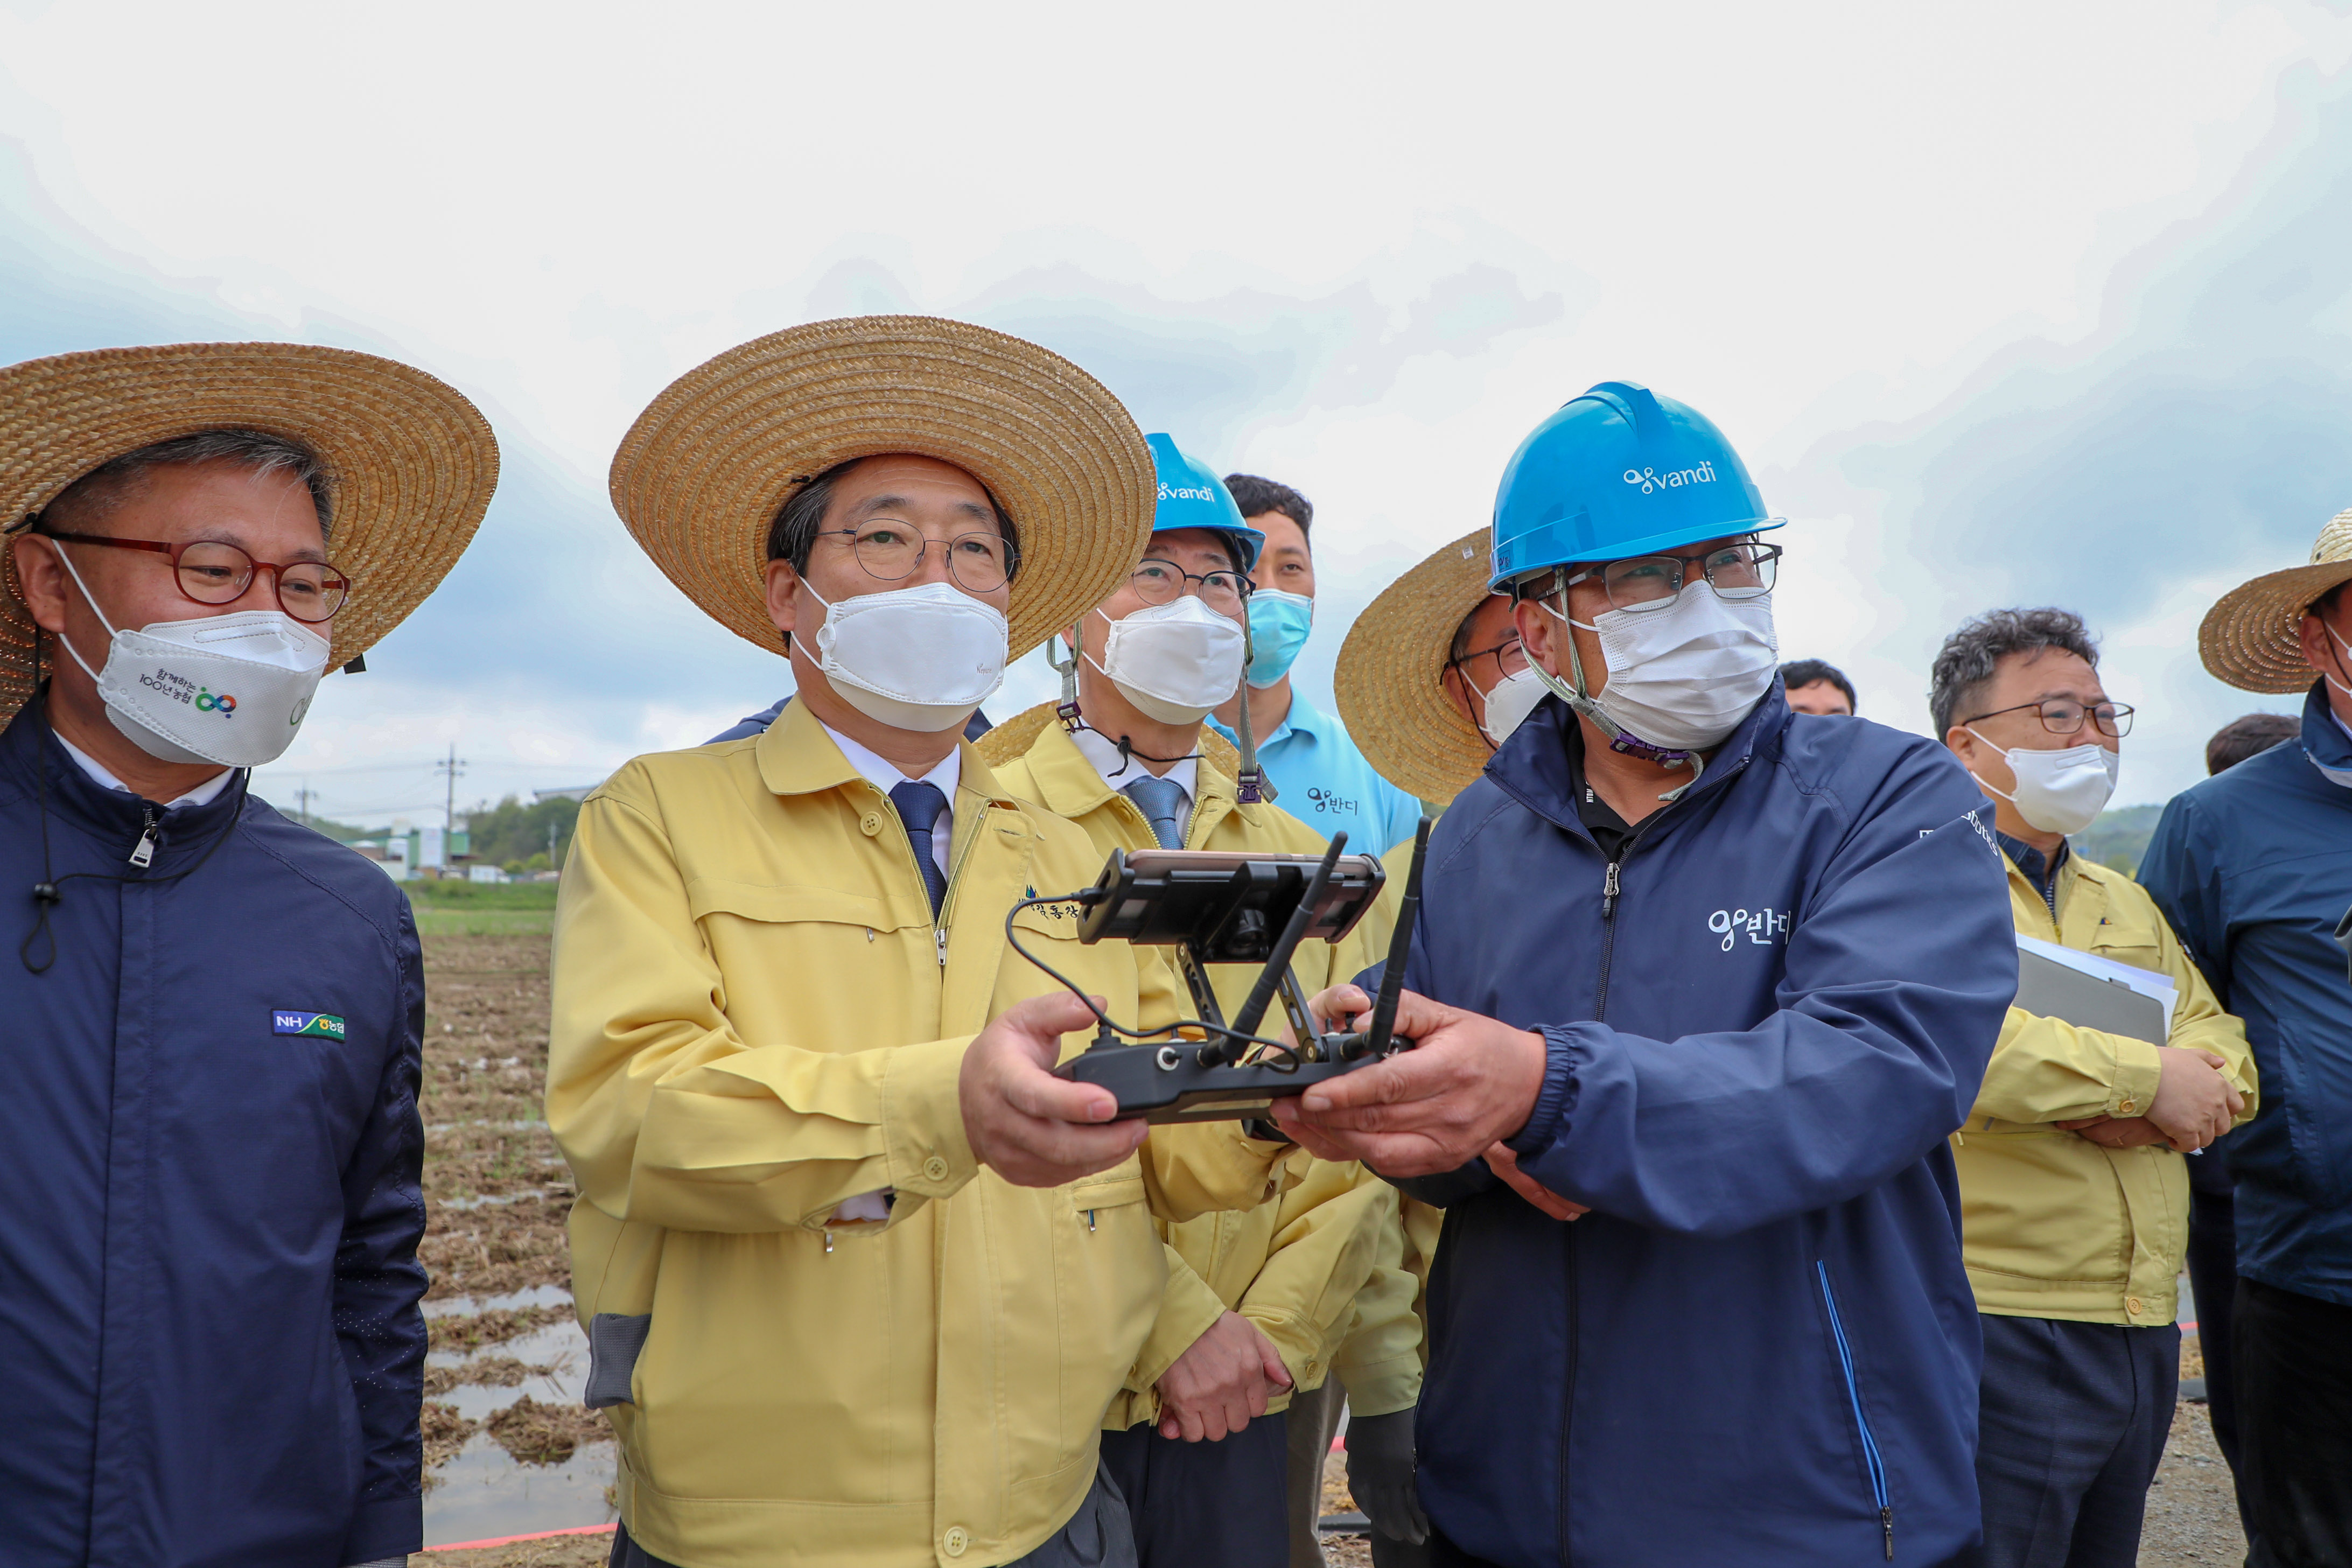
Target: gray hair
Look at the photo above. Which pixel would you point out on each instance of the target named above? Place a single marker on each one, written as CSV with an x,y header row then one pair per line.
x,y
100,491
1970,655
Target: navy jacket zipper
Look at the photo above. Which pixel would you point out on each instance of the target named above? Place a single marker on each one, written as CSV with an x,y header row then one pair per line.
x,y
1861,1422
1609,890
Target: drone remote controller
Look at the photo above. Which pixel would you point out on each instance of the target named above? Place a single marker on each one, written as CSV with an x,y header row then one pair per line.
x,y
1220,908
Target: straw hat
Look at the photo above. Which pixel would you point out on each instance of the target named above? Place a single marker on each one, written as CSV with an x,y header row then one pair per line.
x,y
2248,637
1387,682
410,463
702,474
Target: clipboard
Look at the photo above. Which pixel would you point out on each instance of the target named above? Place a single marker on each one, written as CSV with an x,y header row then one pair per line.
x,y
2073,994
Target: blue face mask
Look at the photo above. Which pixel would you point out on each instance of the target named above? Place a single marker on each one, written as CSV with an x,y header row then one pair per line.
x,y
1279,623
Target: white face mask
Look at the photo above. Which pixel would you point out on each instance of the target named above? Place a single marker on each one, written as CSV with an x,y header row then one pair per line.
x,y
918,659
1682,678
2060,791
1510,703
1174,661
231,690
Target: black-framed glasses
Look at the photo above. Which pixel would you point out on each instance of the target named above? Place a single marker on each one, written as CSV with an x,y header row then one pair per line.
x,y
892,549
1652,581
1157,582
1510,655
2065,716
212,572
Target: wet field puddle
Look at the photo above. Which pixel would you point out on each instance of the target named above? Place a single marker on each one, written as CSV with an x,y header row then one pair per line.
x,y
483,1491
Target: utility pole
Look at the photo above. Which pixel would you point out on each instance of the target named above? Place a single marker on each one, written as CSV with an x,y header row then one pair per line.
x,y
550,846
450,769
303,796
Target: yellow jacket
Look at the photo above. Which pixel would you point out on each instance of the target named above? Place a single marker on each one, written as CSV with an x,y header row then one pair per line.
x,y
2054,1225
754,1019
1293,1266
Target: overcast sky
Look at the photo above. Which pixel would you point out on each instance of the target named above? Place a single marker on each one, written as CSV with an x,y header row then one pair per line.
x,y
2004,303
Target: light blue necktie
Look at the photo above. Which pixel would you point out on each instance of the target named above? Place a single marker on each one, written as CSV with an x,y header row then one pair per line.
x,y
919,805
1162,801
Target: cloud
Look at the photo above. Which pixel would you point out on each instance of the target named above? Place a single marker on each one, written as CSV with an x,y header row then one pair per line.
x,y
2201,434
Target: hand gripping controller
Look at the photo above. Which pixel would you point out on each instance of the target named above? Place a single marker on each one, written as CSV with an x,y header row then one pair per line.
x,y
1217,908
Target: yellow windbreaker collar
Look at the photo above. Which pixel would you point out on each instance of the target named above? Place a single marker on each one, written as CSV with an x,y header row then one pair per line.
x,y
796,756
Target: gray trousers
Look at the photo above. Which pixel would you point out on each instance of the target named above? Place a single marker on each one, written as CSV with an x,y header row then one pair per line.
x,y
1098,1536
2071,1424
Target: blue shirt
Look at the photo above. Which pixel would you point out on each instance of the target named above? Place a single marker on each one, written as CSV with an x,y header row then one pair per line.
x,y
1321,779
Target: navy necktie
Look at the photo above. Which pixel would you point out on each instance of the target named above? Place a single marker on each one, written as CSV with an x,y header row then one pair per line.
x,y
1162,801
921,806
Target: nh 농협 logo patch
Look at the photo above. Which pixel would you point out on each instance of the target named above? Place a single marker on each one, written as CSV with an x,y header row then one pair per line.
x,y
319,1026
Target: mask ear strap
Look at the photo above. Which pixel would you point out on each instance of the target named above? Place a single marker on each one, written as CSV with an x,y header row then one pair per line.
x,y
64,642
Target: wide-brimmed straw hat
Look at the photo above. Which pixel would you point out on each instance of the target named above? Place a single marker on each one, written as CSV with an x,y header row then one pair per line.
x,y
2248,637
1388,680
410,462
700,476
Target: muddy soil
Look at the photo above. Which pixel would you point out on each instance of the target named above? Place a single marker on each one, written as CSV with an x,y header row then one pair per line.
x,y
507,1448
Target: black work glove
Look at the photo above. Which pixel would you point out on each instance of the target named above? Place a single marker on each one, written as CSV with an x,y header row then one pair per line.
x,y
1380,1475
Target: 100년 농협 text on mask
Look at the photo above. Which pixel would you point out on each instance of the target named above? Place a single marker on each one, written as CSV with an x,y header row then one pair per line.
x,y
232,689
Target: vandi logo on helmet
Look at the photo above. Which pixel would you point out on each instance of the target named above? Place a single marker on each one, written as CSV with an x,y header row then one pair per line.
x,y
1652,482
1187,492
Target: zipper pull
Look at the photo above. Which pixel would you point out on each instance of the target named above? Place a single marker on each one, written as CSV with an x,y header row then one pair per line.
x,y
142,853
942,933
1887,1522
1609,893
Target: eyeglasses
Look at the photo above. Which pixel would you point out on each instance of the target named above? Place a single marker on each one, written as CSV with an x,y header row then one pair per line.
x,y
892,549
212,572
2065,716
1509,656
1157,582
1651,582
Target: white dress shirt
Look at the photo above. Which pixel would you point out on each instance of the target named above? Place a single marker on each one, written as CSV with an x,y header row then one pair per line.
x,y
1120,772
203,794
883,774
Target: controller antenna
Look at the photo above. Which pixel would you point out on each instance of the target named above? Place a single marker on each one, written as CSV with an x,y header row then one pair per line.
x,y
1384,1010
1277,962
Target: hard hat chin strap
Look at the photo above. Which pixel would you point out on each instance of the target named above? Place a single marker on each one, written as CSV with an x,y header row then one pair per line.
x,y
1066,710
1581,702
1250,787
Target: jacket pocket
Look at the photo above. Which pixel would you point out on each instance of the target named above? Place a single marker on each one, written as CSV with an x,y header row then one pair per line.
x,y
615,1343
1870,1457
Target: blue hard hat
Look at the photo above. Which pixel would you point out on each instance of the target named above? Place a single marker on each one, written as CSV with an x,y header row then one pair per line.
x,y
1620,472
1192,496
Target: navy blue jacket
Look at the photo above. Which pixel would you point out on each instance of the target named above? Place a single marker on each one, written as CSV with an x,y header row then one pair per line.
x,y
752,725
208,1280
2254,869
1760,1347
